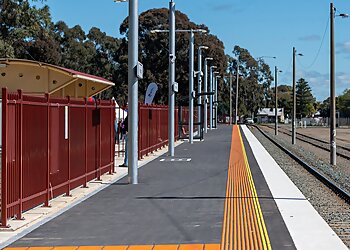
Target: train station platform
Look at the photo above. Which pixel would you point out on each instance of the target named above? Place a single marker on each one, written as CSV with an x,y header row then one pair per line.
x,y
223,193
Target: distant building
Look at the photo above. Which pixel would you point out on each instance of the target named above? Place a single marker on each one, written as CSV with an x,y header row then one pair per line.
x,y
267,115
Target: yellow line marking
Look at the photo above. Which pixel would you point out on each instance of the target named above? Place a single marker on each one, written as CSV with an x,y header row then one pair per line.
x,y
243,223
263,230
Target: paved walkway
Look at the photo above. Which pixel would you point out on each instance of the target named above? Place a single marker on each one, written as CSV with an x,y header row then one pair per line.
x,y
225,193
174,202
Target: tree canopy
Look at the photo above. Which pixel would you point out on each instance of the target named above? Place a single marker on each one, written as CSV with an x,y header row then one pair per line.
x,y
305,99
153,53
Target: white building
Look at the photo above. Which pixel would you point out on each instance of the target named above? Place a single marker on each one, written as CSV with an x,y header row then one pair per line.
x,y
267,115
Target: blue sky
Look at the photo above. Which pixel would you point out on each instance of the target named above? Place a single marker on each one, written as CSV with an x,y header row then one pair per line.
x,y
265,28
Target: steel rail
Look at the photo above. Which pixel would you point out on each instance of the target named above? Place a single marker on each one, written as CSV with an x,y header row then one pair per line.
x,y
343,194
347,157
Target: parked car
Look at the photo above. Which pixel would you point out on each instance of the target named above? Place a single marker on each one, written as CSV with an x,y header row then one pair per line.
x,y
249,121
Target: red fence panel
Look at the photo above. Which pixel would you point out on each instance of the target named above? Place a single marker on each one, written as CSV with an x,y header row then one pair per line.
x,y
50,146
153,128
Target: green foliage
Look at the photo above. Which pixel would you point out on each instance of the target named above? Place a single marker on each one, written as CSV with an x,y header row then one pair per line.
x,y
285,99
305,99
343,103
254,81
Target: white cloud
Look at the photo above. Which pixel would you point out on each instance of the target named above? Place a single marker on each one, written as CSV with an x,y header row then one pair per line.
x,y
343,47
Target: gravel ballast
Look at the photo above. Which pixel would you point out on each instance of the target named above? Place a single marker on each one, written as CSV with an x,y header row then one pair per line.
x,y
332,209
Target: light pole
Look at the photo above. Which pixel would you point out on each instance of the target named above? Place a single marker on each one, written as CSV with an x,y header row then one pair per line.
x,y
333,132
205,91
200,83
171,84
229,78
132,91
191,73
294,98
216,100
276,100
191,76
211,97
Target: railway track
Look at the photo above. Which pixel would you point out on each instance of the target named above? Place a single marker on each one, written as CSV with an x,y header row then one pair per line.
x,y
345,152
330,203
343,194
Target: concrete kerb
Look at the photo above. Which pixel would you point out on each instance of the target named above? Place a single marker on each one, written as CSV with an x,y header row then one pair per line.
x,y
40,215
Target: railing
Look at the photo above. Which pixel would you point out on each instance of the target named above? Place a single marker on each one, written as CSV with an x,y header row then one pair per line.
x,y
153,128
51,146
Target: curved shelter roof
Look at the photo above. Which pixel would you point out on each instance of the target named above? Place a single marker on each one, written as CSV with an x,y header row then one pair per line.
x,y
38,78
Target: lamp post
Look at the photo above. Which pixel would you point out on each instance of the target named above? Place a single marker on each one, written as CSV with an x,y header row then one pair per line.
x,y
171,93
333,132
276,100
191,73
211,98
205,91
216,100
294,98
132,91
200,83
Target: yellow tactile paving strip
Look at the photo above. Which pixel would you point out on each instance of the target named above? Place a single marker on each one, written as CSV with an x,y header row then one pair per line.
x,y
243,225
141,247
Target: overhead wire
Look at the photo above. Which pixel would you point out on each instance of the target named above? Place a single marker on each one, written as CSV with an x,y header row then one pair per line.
x,y
318,51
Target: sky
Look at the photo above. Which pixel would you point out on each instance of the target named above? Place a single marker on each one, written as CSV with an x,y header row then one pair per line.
x,y
265,28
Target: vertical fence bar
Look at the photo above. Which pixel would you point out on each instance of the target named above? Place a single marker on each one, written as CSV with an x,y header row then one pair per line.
x,y
47,196
69,146
99,141
4,159
85,143
20,154
140,147
113,135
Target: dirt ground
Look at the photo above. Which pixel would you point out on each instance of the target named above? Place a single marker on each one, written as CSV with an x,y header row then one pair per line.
x,y
323,133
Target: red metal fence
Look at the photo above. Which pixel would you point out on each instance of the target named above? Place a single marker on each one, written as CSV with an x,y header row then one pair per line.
x,y
50,146
153,128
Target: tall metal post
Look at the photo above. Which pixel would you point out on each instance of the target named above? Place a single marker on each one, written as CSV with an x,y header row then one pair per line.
x,y
199,90
171,94
237,90
191,73
133,92
294,100
333,146
211,98
216,101
276,102
230,98
206,97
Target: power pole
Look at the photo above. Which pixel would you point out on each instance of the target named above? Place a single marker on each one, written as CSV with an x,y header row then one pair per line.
x,y
276,102
332,101
294,100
